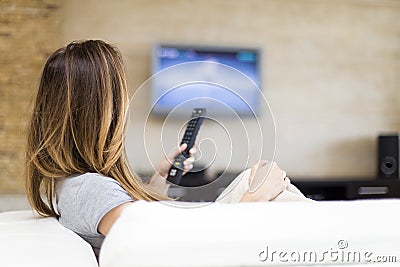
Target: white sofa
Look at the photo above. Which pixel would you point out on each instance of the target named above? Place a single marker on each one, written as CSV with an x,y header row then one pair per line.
x,y
29,240
160,234
156,234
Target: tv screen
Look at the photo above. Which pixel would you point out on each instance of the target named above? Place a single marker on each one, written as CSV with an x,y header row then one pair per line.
x,y
225,80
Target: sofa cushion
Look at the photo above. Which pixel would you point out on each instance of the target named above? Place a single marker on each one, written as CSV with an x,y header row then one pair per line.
x,y
27,239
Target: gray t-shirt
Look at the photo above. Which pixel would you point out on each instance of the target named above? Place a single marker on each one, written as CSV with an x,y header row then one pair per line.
x,y
83,200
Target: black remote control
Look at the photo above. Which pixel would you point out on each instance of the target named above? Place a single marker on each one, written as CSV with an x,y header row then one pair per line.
x,y
175,173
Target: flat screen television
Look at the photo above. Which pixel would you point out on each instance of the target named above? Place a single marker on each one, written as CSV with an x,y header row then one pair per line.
x,y
235,70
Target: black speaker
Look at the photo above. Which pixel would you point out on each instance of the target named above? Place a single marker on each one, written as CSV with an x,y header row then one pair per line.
x,y
388,156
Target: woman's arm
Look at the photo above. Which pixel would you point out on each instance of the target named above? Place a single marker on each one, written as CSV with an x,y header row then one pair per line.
x,y
110,218
273,180
157,183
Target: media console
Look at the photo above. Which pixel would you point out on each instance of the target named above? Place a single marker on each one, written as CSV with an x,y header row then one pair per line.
x,y
329,189
324,189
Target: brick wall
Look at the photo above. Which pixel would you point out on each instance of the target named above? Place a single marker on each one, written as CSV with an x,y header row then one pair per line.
x,y
29,32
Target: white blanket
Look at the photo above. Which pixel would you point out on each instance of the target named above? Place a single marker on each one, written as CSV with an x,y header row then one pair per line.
x,y
236,189
247,234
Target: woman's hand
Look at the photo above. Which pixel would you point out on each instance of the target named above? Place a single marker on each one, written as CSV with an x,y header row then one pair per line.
x,y
165,165
158,181
273,183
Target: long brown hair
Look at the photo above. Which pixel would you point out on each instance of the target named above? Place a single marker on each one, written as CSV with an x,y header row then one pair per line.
x,y
77,124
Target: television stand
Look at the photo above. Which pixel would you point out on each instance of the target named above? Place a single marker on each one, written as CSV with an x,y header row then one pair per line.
x,y
329,189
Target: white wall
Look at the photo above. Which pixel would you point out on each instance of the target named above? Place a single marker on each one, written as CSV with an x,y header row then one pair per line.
x,y
331,68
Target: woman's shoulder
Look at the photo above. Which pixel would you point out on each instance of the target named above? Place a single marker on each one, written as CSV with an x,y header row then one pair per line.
x,y
90,179
88,187
83,199
84,177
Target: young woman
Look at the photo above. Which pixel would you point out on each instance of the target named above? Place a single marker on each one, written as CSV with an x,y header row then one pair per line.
x,y
76,151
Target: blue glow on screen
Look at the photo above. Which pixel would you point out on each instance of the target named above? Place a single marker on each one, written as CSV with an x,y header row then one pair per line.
x,y
244,60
